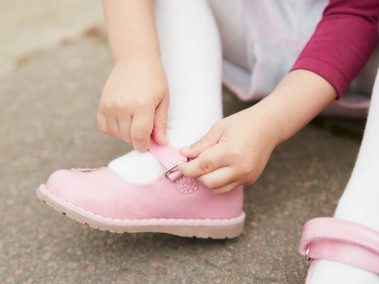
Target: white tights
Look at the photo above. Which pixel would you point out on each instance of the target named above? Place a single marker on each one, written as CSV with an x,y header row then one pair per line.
x,y
191,54
360,201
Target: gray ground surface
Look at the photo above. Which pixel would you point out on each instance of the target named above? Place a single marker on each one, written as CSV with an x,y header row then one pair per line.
x,y
48,121
28,26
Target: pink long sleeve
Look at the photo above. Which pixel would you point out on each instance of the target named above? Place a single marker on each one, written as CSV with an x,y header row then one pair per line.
x,y
342,42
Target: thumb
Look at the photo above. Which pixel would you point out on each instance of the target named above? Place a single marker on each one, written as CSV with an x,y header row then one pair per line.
x,y
208,140
160,122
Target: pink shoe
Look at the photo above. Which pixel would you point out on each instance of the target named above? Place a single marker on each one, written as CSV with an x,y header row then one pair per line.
x,y
172,204
340,240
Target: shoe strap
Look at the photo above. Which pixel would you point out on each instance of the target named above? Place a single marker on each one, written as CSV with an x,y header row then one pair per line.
x,y
341,240
170,157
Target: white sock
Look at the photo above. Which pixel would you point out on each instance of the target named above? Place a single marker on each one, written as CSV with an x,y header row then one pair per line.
x,y
191,54
360,201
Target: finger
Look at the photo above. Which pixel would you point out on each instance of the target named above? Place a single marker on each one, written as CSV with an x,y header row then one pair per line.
x,y
160,122
102,123
218,178
141,128
208,140
208,161
124,128
113,128
226,188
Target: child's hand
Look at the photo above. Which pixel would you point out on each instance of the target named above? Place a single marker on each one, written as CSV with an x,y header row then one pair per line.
x,y
234,152
134,102
237,148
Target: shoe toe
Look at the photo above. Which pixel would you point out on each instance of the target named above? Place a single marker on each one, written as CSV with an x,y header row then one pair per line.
x,y
93,190
74,186
58,181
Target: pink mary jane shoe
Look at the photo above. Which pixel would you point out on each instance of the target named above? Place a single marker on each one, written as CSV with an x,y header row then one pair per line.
x,y
340,240
172,204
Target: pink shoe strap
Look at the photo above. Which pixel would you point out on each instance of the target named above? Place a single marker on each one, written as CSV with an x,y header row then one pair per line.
x,y
340,240
170,157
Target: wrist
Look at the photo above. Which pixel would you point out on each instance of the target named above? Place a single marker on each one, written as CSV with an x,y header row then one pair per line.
x,y
266,123
299,97
129,57
276,117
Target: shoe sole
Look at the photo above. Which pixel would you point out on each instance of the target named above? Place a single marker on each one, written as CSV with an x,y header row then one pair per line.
x,y
199,228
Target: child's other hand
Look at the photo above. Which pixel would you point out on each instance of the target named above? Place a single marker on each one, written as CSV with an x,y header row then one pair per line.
x,y
237,148
134,102
234,152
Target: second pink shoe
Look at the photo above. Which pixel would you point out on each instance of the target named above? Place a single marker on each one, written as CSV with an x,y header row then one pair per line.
x,y
172,203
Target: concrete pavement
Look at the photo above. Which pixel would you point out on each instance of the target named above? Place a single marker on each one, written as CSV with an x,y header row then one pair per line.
x,y
30,26
48,121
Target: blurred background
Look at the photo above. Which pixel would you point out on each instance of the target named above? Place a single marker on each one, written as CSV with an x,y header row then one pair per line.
x,y
54,61
31,26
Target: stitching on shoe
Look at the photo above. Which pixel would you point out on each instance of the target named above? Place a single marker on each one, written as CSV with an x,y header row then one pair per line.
x,y
139,220
183,182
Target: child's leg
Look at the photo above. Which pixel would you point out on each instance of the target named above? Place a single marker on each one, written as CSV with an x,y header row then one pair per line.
x,y
191,54
232,24
359,202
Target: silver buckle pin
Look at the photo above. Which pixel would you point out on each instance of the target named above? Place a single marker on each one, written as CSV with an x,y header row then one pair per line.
x,y
307,254
171,168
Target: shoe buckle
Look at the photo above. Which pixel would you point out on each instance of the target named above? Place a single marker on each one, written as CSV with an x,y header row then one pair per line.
x,y
307,254
183,183
170,169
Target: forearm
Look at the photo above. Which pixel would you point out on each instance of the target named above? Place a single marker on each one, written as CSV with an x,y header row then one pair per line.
x,y
342,42
299,97
131,29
